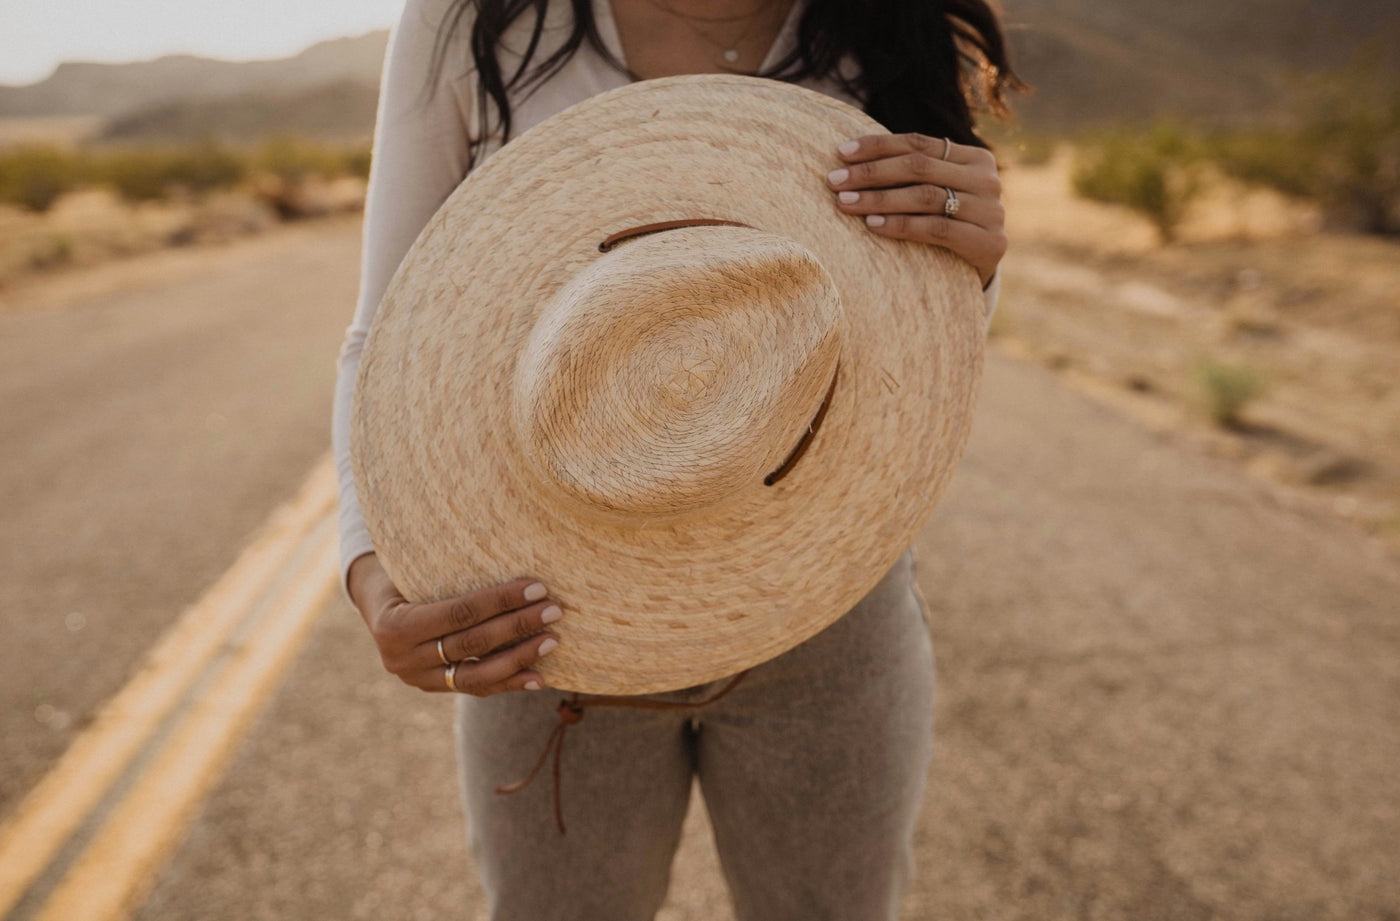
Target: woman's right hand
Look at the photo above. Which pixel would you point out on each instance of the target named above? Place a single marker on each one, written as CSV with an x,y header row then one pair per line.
x,y
494,634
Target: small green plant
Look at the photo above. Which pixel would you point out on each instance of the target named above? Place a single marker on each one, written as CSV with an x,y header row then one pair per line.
x,y
1226,389
1154,172
33,177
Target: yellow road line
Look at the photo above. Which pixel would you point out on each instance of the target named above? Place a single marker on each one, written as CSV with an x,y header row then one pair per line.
x,y
58,805
121,862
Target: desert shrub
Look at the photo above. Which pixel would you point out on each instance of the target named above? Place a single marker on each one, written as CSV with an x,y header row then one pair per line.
x,y
151,174
1226,389
207,167
294,160
1362,180
33,177
1341,148
1266,156
135,175
52,252
1153,171
290,174
356,162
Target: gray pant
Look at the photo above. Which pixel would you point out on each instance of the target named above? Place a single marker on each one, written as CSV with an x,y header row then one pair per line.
x,y
812,770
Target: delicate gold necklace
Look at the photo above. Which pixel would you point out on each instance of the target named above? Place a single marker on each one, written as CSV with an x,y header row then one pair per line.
x,y
729,51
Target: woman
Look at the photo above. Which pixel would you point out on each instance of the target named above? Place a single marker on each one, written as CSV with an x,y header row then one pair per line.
x,y
812,769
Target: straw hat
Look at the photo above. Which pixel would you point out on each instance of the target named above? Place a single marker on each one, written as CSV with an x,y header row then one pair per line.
x,y
708,441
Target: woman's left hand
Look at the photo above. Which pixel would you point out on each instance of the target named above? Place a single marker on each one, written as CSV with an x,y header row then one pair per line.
x,y
900,183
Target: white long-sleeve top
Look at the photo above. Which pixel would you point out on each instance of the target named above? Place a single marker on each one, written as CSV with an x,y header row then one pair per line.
x,y
421,144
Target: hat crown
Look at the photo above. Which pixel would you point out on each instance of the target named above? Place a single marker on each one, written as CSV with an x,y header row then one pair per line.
x,y
678,369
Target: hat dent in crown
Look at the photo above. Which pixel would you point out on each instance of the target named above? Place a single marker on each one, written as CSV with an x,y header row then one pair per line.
x,y
678,369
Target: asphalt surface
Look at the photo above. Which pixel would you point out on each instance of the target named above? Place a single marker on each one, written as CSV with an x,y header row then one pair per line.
x,y
152,417
1166,690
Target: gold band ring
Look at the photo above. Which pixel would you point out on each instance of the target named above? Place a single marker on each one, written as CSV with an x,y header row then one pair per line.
x,y
442,654
451,677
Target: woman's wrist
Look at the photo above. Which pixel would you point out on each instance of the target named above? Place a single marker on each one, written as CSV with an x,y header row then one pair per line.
x,y
367,582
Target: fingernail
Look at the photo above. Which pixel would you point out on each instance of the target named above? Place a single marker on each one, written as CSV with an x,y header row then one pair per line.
x,y
535,591
548,646
838,176
849,147
848,198
532,685
875,220
550,614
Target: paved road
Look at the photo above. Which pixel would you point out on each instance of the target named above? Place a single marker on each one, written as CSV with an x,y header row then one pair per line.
x,y
1167,691
151,420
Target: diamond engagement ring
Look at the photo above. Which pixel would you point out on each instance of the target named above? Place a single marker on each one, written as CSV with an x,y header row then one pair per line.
x,y
950,207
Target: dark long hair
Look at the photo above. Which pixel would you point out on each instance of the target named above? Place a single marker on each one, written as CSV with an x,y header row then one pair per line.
x,y
924,65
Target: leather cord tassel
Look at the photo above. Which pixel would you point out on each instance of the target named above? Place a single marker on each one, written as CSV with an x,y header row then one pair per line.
x,y
571,711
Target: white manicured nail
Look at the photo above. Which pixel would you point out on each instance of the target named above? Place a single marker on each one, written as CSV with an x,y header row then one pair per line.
x,y
535,591
849,147
532,685
848,198
550,614
548,646
875,220
838,176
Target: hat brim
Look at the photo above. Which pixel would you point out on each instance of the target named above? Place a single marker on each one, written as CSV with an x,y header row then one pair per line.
x,y
448,500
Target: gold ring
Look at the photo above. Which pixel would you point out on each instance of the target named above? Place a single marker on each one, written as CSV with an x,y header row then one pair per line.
x,y
441,654
451,677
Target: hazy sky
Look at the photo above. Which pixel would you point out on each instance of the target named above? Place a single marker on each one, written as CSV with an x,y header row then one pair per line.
x,y
37,34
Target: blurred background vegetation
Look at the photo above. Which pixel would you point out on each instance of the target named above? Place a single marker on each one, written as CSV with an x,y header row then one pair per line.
x,y
34,176
1336,143
1230,156
112,160
1299,96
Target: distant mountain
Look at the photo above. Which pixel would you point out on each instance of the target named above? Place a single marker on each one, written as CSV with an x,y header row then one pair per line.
x,y
117,89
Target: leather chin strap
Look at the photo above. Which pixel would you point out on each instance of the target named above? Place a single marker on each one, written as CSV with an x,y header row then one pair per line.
x,y
571,712
659,226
